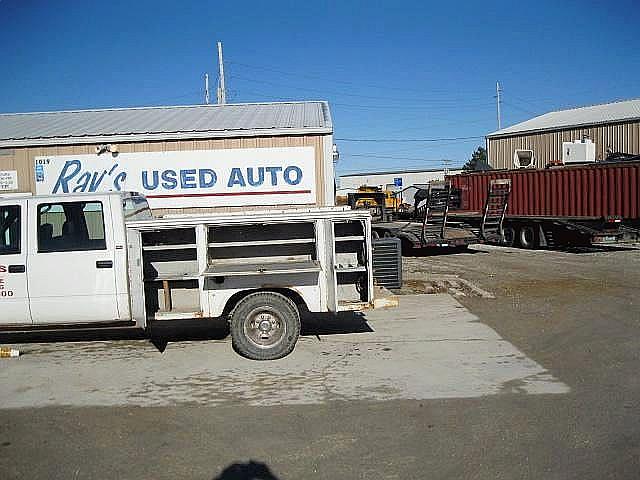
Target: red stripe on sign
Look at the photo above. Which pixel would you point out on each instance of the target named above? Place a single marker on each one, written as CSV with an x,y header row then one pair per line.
x,y
231,194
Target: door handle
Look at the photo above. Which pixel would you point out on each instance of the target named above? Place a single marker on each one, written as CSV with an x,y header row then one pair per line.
x,y
104,264
17,269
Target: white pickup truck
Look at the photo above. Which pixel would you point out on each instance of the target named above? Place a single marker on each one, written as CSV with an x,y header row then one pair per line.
x,y
102,260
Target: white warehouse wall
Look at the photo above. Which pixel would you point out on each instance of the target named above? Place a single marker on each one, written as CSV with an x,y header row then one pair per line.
x,y
350,183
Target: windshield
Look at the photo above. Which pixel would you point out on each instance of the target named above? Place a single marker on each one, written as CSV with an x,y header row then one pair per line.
x,y
136,208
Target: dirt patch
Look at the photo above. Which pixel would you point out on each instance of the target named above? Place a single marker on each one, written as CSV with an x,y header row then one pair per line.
x,y
451,284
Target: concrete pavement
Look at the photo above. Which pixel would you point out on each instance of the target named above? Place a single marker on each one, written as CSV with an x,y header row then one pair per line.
x,y
576,315
430,347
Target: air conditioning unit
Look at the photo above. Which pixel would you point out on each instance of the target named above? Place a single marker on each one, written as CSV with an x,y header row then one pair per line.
x,y
524,159
579,151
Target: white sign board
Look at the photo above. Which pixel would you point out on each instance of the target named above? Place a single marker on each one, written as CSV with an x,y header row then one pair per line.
x,y
8,180
197,178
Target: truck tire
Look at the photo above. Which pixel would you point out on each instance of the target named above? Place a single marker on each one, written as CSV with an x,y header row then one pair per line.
x,y
265,326
508,237
527,237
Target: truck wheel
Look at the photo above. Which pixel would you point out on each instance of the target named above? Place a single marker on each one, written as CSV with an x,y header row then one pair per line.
x,y
508,237
527,237
265,326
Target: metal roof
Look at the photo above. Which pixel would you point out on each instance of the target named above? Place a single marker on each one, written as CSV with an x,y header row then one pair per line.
x,y
164,123
575,117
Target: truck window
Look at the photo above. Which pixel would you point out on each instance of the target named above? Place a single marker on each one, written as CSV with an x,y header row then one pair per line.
x,y
9,230
71,226
136,208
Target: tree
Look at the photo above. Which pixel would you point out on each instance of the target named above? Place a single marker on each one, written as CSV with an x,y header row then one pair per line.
x,y
478,160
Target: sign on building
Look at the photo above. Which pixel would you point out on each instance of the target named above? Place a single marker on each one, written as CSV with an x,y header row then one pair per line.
x,y
8,180
197,178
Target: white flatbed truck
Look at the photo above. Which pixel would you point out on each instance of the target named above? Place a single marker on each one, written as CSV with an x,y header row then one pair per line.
x,y
101,260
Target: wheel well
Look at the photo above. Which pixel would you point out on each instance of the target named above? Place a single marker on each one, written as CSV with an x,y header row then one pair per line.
x,y
291,294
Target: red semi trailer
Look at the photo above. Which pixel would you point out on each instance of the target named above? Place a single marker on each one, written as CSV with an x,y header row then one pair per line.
x,y
559,206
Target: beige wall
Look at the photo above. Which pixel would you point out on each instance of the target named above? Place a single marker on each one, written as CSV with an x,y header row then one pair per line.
x,y
547,146
21,159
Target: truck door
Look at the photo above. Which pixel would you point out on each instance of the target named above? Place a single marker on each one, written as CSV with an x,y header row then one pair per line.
x,y
71,262
14,300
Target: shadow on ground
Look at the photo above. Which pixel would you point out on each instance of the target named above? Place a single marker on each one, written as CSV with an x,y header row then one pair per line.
x,y
443,251
251,470
594,249
438,251
171,331
328,324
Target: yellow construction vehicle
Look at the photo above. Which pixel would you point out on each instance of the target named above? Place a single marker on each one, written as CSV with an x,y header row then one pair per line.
x,y
383,204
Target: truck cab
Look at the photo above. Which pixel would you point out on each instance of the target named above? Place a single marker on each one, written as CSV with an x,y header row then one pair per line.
x,y
102,260
63,260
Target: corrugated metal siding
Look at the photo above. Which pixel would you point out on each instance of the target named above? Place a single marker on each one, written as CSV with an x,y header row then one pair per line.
x,y
547,146
21,160
585,191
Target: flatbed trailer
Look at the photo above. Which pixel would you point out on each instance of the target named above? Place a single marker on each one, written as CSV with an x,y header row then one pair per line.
x,y
581,205
436,225
411,234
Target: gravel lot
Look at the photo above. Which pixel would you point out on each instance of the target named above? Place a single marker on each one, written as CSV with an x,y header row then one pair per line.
x,y
536,377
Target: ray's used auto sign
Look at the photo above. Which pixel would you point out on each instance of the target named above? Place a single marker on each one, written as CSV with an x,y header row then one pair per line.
x,y
198,178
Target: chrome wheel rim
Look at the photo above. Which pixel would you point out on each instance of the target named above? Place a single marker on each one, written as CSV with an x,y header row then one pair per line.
x,y
264,328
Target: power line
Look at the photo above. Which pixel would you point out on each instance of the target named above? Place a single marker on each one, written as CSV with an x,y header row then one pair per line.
x,y
536,105
325,79
422,106
518,108
393,157
407,166
416,108
413,148
380,140
442,102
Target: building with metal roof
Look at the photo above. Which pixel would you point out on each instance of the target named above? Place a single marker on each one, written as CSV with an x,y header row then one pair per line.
x,y
181,157
612,127
164,123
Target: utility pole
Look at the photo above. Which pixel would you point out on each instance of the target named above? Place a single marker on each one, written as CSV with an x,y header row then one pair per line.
x,y
446,163
498,105
222,94
206,89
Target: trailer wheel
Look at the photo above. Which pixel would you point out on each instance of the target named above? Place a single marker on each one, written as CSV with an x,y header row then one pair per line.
x,y
508,237
527,237
265,326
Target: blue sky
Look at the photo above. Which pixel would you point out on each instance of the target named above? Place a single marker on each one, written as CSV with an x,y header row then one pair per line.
x,y
391,70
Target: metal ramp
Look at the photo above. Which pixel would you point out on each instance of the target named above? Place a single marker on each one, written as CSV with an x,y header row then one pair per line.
x,y
495,209
436,210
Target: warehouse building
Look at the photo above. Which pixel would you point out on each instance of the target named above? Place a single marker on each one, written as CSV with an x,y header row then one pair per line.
x,y
395,181
184,159
611,127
